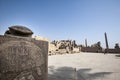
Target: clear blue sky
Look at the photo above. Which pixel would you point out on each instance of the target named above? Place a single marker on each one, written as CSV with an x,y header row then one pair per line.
x,y
65,19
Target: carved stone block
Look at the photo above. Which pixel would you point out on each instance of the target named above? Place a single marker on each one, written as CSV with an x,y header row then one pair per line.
x,y
23,58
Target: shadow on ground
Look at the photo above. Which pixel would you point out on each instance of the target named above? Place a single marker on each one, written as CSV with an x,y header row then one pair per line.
x,y
69,73
117,55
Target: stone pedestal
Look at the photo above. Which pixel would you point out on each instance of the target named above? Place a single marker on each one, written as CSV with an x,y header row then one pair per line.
x,y
23,58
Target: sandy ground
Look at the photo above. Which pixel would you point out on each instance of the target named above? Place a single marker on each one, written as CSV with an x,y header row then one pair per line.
x,y
84,66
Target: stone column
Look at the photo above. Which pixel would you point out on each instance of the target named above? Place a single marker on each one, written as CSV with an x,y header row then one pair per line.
x,y
86,42
106,41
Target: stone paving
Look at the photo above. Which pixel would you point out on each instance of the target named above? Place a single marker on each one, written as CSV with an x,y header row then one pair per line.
x,y
84,66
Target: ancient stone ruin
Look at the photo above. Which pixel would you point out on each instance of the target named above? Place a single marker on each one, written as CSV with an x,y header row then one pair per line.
x,y
22,57
63,47
93,48
19,31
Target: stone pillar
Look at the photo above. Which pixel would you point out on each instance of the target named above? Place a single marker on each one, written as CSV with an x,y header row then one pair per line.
x,y
106,41
86,42
23,58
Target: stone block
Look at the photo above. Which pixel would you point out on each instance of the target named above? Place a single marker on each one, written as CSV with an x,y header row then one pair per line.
x,y
23,58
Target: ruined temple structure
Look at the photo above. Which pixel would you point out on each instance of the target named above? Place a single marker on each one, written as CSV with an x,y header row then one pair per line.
x,y
63,46
22,57
93,48
114,50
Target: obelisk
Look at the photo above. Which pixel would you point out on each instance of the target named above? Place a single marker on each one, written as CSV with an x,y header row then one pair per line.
x,y
106,41
86,42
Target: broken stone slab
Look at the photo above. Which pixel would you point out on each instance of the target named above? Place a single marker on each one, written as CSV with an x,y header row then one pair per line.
x,y
19,31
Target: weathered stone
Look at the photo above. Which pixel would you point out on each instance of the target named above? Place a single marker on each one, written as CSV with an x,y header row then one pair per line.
x,y
19,31
23,58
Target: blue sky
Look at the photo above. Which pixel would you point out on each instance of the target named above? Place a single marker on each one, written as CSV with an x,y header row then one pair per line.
x,y
65,19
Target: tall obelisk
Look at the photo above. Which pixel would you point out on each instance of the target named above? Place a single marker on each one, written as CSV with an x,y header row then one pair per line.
x,y
106,41
86,42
